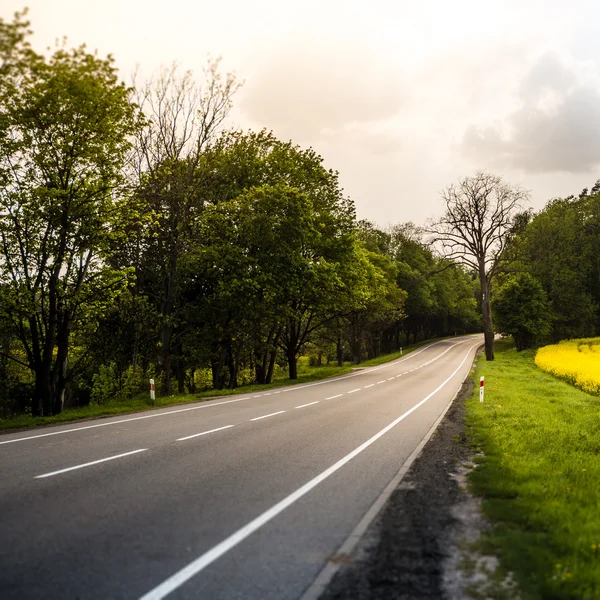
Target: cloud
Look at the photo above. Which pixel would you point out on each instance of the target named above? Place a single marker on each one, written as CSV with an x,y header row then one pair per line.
x,y
310,87
555,129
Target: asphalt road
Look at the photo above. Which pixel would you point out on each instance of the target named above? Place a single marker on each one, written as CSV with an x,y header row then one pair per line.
x,y
237,498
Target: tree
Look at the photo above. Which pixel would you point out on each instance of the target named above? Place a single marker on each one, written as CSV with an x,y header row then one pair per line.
x,y
64,128
183,118
242,162
267,276
522,310
375,303
474,229
14,46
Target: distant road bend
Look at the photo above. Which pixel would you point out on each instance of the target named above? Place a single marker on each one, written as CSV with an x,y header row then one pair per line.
x,y
238,498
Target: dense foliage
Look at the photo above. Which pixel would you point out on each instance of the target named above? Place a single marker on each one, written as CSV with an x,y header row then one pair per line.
x,y
559,248
521,310
139,239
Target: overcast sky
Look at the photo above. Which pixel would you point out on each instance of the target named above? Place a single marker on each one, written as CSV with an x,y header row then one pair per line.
x,y
402,98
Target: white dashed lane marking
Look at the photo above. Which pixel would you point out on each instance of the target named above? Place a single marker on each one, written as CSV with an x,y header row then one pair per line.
x,y
89,464
189,437
267,416
309,404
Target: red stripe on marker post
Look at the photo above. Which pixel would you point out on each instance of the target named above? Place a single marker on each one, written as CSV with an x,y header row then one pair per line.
x,y
152,397
481,388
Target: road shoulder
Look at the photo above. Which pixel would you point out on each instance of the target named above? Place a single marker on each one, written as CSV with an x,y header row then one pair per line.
x,y
420,544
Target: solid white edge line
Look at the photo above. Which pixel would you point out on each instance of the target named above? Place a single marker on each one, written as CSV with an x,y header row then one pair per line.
x,y
322,580
189,437
269,415
309,404
332,397
204,560
209,405
88,464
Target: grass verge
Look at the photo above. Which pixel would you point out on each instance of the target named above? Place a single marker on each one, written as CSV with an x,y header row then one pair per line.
x,y
538,476
306,374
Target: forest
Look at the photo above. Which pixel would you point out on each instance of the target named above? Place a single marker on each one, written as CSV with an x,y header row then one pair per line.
x,y
141,238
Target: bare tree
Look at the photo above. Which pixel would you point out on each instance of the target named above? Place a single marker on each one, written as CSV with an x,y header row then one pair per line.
x,y
474,229
182,118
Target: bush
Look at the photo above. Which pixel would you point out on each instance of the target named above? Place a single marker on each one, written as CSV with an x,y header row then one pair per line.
x,y
105,384
521,309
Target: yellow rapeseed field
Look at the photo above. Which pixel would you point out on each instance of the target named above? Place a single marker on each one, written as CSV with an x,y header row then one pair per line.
x,y
575,361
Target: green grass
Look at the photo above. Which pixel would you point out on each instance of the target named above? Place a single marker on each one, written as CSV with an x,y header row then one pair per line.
x,y
539,476
306,374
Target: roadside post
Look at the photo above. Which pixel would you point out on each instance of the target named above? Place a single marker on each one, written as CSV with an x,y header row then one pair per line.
x,y
400,350
481,388
152,396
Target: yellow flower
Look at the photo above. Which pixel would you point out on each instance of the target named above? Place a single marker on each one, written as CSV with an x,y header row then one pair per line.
x,y
575,361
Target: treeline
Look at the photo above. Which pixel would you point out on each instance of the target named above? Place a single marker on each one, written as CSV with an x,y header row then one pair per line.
x,y
139,239
551,290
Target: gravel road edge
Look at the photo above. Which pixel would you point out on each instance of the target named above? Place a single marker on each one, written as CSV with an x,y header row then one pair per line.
x,y
420,543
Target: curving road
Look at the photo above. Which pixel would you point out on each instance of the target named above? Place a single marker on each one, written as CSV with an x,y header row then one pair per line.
x,y
239,498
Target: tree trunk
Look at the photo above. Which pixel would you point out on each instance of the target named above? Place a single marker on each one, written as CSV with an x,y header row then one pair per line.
x,y
166,360
43,388
62,361
166,330
292,363
180,369
260,367
217,370
339,351
486,313
36,399
232,365
180,378
271,369
192,382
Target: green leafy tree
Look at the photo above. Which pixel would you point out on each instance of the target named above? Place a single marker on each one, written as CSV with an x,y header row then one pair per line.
x,y
522,310
64,128
183,118
14,45
560,248
241,162
267,270
376,302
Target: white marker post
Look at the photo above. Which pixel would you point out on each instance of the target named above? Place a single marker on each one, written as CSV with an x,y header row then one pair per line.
x,y
481,388
152,396
400,350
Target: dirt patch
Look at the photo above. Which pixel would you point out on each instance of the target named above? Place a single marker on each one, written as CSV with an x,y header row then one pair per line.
x,y
423,543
